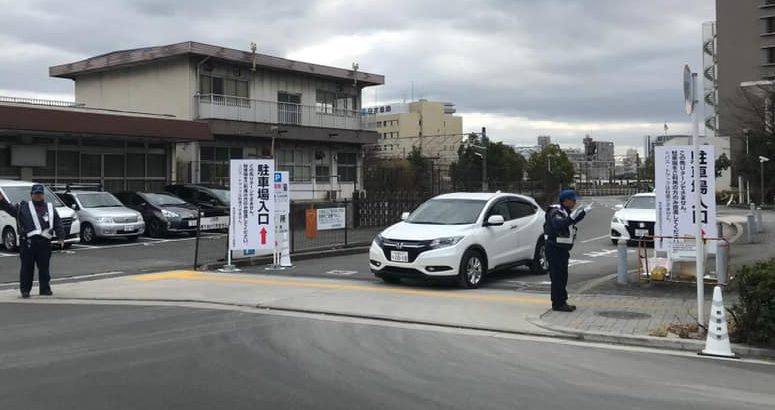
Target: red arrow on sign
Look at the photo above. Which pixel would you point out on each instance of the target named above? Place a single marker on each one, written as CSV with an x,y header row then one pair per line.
x,y
263,236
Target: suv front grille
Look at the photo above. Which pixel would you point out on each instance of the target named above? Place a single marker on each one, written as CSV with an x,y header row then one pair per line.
x,y
413,248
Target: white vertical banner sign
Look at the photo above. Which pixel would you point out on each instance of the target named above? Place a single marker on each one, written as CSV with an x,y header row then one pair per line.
x,y
282,198
674,181
252,205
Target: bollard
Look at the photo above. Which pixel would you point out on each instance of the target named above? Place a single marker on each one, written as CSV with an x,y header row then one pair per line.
x,y
720,229
621,272
758,216
750,227
722,261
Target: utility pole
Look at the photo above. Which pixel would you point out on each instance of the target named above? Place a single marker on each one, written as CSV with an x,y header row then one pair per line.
x,y
485,185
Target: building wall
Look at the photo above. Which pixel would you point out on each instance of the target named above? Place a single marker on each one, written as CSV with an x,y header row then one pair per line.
x,y
741,57
425,125
161,88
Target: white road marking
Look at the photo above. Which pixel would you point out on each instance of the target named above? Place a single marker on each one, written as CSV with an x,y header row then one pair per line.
x,y
574,262
342,272
603,252
595,239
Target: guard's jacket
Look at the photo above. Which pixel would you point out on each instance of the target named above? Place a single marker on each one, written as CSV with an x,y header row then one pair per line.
x,y
32,222
560,227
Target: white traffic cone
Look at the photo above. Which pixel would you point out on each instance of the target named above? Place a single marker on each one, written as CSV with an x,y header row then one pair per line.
x,y
717,343
285,252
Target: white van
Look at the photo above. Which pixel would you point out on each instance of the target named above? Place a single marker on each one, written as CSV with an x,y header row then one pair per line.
x,y
17,191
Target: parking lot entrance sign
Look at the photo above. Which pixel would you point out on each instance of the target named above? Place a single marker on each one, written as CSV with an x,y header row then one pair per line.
x,y
252,213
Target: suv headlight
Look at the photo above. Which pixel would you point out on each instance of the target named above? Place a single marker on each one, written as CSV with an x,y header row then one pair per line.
x,y
105,220
445,242
169,214
618,220
378,240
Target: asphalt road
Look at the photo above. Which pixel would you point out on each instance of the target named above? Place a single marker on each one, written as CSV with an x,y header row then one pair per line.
x,y
130,357
592,257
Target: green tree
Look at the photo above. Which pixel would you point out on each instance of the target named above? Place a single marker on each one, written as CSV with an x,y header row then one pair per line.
x,y
505,168
550,166
722,164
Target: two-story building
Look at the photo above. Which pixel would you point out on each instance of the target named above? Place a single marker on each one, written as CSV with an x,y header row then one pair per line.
x,y
306,116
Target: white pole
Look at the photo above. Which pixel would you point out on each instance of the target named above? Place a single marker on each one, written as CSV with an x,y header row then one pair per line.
x,y
700,262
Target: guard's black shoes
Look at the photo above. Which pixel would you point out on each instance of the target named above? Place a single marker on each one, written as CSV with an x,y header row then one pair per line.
x,y
563,308
25,295
573,307
46,292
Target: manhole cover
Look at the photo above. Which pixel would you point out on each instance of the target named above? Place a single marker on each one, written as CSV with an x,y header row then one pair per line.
x,y
618,314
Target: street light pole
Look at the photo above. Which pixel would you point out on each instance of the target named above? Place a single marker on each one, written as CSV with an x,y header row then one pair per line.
x,y
762,160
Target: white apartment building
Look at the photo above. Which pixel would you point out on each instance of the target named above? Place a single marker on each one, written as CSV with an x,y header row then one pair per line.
x,y
305,115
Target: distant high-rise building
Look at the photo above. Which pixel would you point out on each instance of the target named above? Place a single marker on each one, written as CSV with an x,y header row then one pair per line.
x,y
544,141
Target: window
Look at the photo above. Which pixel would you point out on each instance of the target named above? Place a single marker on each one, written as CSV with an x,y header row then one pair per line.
x,y
518,209
322,173
288,109
5,163
157,166
67,163
769,55
224,90
67,199
346,163
769,25
324,102
135,165
297,163
114,166
502,209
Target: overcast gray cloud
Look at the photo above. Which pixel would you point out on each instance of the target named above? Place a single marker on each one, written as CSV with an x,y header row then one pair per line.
x,y
520,67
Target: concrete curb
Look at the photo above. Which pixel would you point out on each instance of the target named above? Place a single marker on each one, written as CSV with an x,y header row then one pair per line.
x,y
687,345
305,255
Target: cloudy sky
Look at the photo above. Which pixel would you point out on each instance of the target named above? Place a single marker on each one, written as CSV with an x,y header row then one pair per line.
x,y
522,68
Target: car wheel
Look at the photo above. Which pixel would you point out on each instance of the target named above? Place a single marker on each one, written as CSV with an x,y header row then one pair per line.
x,y
472,269
87,233
540,263
155,228
9,239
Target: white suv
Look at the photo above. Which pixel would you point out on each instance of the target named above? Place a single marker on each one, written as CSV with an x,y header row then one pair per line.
x,y
462,235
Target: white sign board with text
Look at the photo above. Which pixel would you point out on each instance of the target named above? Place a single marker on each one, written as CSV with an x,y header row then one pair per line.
x,y
674,181
331,218
252,205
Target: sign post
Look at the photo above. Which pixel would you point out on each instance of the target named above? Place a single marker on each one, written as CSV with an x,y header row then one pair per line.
x,y
281,253
690,101
252,225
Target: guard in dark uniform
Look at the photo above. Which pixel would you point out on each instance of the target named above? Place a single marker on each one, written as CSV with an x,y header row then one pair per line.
x,y
560,233
37,222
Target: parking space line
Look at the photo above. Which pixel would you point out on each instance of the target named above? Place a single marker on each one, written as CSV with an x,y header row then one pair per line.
x,y
200,276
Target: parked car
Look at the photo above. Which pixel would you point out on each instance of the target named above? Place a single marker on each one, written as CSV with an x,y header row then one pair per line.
x,y
102,215
212,200
462,236
163,212
635,219
17,191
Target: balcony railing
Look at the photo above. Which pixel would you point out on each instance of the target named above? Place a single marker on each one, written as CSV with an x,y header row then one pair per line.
x,y
222,107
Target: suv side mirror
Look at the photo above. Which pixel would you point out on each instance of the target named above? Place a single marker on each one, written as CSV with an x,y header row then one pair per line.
x,y
74,207
495,220
619,207
405,216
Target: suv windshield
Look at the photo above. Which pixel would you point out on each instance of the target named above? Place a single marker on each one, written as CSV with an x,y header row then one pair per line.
x,y
447,212
17,194
641,202
164,200
99,200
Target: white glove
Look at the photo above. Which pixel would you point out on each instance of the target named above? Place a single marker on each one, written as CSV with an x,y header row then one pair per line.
x,y
575,214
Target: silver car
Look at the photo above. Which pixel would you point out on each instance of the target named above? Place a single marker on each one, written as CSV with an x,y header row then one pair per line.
x,y
102,215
